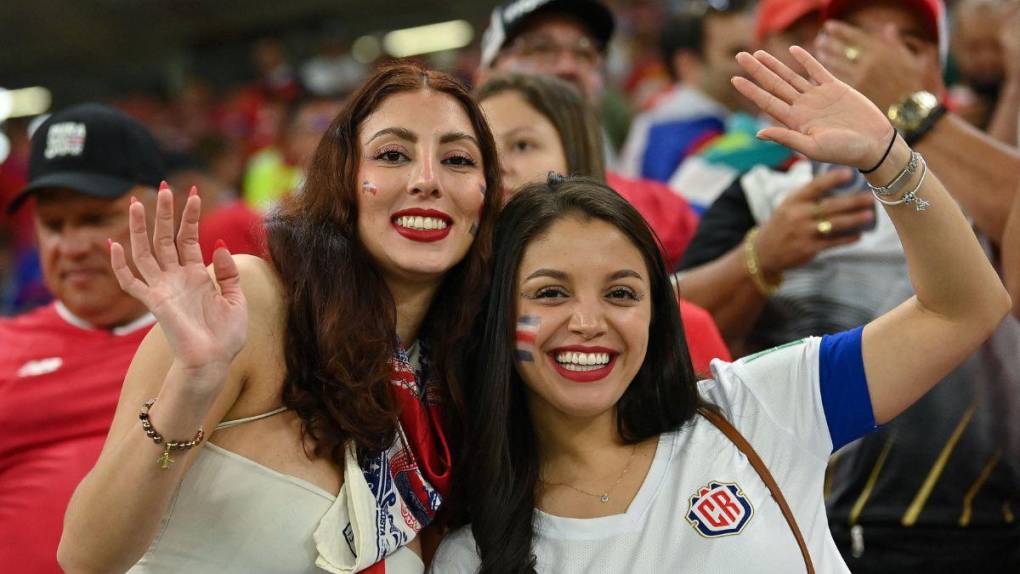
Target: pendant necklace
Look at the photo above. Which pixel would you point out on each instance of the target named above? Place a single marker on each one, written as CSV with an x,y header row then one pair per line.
x,y
604,496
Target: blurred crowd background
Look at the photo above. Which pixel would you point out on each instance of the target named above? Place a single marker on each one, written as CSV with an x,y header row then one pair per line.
x,y
239,92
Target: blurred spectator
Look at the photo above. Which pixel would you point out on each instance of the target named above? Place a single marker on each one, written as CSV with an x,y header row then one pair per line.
x,y
698,47
21,280
634,60
332,71
979,58
223,157
1005,122
224,216
711,169
568,39
278,170
276,78
62,365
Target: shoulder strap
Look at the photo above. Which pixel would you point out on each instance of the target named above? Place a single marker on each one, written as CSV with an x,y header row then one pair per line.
x,y
236,422
745,447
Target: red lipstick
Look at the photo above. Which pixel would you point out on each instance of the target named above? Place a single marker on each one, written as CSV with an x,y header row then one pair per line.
x,y
583,376
422,235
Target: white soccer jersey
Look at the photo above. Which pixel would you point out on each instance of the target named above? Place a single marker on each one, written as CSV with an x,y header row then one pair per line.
x,y
702,507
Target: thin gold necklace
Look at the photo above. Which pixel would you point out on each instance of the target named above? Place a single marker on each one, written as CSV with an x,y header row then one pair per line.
x,y
604,497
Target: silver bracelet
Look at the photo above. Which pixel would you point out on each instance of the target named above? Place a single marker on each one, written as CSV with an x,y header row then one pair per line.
x,y
893,187
910,196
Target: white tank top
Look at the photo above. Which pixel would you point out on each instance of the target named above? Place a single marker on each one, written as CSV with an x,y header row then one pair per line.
x,y
231,515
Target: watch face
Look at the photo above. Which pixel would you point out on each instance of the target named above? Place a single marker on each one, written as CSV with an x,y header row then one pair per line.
x,y
909,114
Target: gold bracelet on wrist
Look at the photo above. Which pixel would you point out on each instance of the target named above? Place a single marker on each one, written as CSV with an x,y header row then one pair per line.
x,y
754,268
164,459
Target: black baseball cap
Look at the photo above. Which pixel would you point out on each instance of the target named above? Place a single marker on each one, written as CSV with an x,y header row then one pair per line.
x,y
508,19
92,149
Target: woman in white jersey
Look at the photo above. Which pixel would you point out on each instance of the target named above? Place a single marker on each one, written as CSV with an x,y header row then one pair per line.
x,y
338,357
591,447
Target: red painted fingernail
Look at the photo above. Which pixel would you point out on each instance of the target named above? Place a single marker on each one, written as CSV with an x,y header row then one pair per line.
x,y
163,185
193,192
134,200
220,244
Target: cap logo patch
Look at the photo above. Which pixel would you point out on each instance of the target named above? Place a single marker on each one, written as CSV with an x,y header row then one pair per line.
x,y
719,509
66,138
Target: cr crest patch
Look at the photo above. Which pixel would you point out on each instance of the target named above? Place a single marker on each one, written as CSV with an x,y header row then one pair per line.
x,y
65,138
719,509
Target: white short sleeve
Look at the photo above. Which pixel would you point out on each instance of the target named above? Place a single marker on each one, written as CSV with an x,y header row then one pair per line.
x,y
774,392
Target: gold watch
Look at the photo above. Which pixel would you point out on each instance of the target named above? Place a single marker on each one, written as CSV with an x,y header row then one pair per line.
x,y
915,115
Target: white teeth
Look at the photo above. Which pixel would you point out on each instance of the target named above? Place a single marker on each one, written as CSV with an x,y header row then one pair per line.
x,y
583,361
421,223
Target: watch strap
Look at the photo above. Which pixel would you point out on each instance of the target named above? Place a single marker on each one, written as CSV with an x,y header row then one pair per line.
x,y
914,136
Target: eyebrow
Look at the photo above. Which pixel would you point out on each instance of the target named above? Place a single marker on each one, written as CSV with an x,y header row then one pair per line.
x,y
457,136
518,130
561,276
406,134
547,273
624,273
401,133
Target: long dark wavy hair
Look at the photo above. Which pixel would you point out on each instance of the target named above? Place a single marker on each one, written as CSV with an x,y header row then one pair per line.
x,y
341,318
500,468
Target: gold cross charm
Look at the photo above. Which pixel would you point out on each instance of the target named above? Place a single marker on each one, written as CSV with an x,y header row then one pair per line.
x,y
164,460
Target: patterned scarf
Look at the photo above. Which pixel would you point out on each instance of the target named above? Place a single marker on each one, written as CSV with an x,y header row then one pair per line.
x,y
410,479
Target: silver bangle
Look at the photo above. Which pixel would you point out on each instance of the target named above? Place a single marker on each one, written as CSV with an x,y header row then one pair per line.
x,y
893,187
910,196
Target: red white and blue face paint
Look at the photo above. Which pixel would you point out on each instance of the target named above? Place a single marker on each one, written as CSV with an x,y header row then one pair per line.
x,y
369,187
527,331
482,189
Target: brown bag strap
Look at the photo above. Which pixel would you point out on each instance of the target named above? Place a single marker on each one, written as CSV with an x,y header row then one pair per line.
x,y
745,447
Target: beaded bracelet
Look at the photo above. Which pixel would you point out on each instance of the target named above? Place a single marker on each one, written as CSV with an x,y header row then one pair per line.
x,y
754,269
164,460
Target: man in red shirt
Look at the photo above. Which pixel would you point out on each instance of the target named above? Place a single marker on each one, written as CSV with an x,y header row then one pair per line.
x,y
568,39
62,365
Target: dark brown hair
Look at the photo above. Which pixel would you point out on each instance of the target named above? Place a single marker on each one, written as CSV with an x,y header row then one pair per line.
x,y
563,105
341,318
500,467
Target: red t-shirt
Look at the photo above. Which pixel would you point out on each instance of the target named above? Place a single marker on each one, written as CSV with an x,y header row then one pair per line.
x,y
59,385
703,338
668,214
240,227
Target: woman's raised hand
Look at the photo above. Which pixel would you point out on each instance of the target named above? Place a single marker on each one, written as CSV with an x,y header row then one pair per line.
x,y
205,326
818,116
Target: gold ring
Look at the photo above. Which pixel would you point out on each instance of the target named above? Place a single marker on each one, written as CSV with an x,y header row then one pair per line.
x,y
852,53
824,227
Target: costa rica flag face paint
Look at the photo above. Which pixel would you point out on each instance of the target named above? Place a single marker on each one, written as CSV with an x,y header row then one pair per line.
x,y
527,330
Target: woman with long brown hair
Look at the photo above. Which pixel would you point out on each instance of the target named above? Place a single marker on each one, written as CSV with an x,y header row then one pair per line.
x,y
338,356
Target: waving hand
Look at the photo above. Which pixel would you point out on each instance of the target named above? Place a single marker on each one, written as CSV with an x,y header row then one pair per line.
x,y
818,116
204,321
